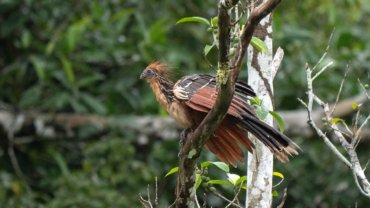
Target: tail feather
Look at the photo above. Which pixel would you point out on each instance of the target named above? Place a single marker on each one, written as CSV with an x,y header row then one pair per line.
x,y
218,149
278,143
227,141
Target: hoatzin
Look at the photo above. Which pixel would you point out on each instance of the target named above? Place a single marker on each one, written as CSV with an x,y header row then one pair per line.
x,y
189,100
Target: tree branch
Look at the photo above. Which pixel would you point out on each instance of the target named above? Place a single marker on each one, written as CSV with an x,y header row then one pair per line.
x,y
353,162
191,149
189,153
255,17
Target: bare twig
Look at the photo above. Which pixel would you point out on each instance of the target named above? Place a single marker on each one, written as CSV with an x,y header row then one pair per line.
x,y
224,198
144,202
356,139
147,203
364,88
353,162
156,202
322,70
281,205
340,90
326,51
235,199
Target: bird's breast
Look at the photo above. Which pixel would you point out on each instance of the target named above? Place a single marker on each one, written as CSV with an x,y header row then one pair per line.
x,y
180,113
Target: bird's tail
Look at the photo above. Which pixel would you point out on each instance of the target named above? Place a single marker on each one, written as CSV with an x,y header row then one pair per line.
x,y
279,144
232,134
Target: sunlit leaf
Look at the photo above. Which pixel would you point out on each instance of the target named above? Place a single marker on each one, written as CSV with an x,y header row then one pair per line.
x,y
259,45
198,180
214,21
223,166
354,106
172,171
233,178
205,164
193,19
278,174
275,193
336,120
241,180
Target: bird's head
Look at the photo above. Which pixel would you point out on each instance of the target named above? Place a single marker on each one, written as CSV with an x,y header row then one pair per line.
x,y
154,70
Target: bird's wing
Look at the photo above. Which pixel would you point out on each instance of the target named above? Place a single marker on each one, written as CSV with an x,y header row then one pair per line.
x,y
199,92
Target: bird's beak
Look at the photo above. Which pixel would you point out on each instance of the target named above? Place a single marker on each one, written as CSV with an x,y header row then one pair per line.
x,y
143,75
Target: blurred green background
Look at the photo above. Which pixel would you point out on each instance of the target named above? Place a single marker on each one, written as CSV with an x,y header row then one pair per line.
x,y
85,57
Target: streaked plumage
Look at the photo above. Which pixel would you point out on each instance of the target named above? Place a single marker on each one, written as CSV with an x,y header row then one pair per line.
x,y
190,98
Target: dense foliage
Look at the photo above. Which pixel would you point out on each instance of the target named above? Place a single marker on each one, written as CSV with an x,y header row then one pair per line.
x,y
86,56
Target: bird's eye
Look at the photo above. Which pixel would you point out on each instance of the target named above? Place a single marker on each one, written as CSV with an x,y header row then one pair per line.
x,y
150,72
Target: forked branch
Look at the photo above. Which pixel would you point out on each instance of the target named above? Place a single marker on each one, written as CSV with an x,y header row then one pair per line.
x,y
351,158
227,74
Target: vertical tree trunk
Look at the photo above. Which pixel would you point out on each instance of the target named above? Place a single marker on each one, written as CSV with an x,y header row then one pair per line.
x,y
260,163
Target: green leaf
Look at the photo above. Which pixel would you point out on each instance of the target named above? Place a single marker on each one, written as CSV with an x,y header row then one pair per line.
x,y
172,171
336,120
39,65
193,19
62,164
261,112
259,45
278,174
223,166
77,106
95,104
26,39
75,32
241,180
220,182
30,97
275,193
256,101
214,21
279,120
50,47
354,106
207,49
198,180
157,32
233,178
67,65
205,164
90,80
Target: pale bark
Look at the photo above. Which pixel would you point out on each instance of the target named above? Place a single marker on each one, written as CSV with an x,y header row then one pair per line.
x,y
260,163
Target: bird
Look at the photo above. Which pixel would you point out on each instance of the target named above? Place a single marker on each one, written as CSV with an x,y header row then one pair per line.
x,y
188,101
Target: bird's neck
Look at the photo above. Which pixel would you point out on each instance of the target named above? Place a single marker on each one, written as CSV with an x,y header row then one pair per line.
x,y
162,89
